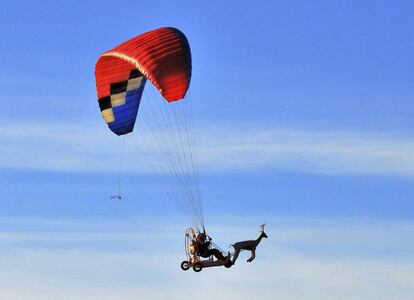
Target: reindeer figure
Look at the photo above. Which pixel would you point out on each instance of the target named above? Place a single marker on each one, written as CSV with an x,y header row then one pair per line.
x,y
248,245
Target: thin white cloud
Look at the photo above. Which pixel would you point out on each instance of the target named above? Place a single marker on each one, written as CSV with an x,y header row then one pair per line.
x,y
92,149
317,152
280,271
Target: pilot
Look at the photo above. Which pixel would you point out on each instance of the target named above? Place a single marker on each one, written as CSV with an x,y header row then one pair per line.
x,y
204,250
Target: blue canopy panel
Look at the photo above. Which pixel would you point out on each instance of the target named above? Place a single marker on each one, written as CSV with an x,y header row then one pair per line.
x,y
120,108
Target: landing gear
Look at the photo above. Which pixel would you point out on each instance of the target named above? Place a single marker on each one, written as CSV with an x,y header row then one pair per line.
x,y
185,265
197,267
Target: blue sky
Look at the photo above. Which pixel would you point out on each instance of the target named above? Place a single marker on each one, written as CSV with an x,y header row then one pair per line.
x,y
304,116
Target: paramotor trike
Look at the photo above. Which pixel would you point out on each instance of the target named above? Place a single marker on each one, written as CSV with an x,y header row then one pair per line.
x,y
194,260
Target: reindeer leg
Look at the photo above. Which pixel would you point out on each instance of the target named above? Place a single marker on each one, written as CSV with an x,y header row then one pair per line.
x,y
253,255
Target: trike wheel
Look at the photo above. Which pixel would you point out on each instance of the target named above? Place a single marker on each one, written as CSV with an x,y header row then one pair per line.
x,y
185,265
197,267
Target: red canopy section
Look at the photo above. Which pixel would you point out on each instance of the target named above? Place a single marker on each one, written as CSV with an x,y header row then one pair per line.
x,y
162,55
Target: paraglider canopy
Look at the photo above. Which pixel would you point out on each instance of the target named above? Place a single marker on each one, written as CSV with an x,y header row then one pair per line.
x,y
162,56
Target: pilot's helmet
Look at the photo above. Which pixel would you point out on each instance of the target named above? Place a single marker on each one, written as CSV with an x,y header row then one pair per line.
x,y
201,237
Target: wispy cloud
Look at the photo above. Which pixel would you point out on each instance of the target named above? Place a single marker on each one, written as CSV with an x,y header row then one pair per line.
x,y
280,271
326,152
92,149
